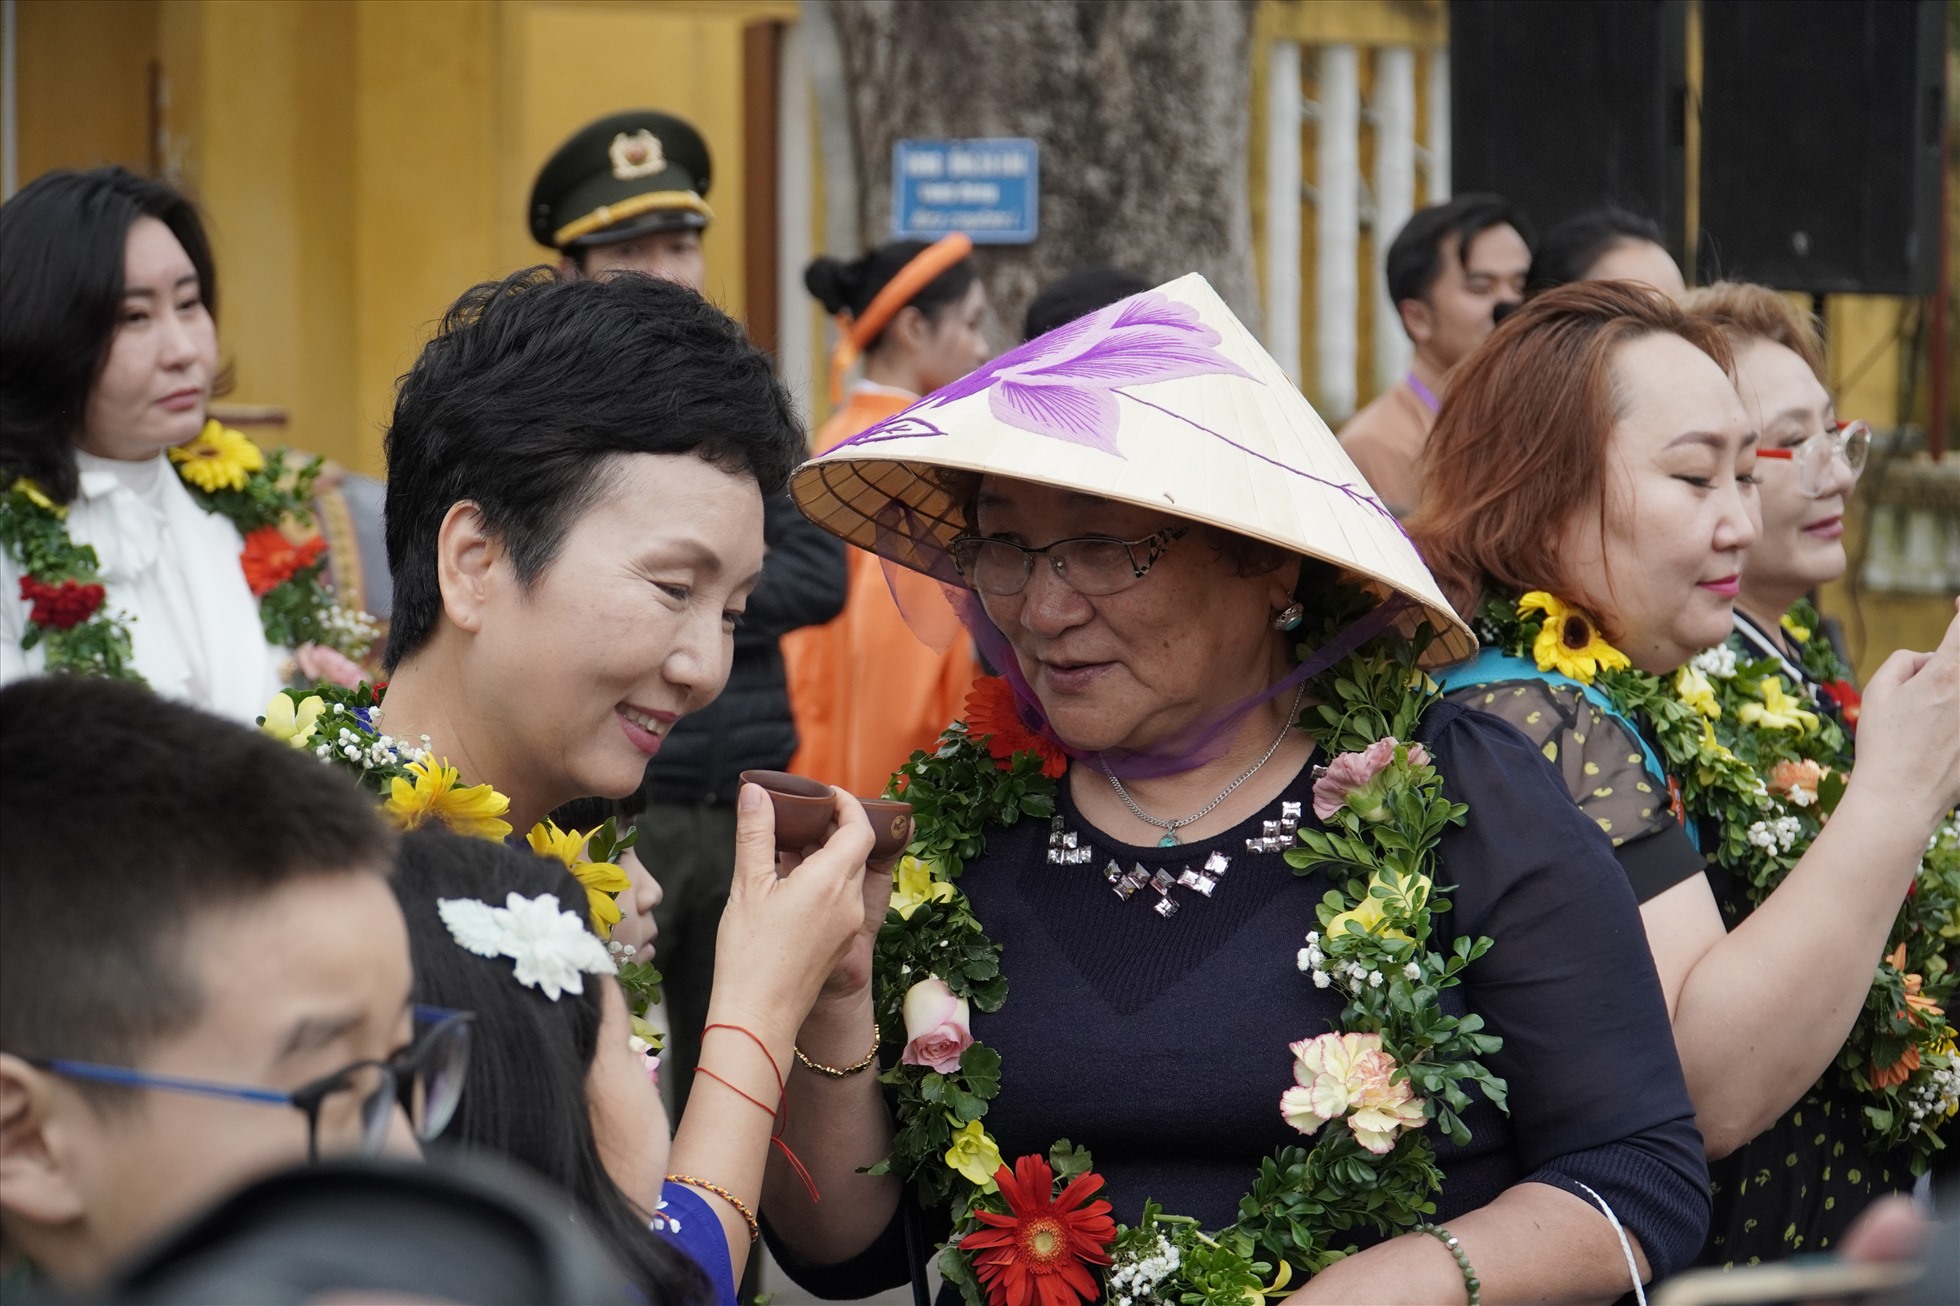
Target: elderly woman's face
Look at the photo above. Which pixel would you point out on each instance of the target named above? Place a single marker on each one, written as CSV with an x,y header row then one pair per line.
x,y
1129,668
630,627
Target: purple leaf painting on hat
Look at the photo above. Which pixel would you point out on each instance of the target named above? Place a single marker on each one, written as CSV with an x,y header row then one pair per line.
x,y
1064,385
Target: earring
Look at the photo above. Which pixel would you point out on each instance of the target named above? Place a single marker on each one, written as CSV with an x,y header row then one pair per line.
x,y
1289,619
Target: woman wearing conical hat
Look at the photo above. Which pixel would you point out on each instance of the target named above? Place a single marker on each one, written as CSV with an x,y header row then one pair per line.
x,y
867,693
1222,937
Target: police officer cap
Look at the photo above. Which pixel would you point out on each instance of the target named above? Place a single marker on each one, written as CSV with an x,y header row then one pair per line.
x,y
624,175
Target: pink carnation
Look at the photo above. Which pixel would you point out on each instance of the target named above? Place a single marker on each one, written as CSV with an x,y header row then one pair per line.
x,y
1351,772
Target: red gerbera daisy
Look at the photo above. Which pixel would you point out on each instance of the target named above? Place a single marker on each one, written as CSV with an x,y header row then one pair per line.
x,y
1037,1254
992,712
270,559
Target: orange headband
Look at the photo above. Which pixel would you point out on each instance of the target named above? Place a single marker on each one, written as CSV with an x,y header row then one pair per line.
x,y
853,334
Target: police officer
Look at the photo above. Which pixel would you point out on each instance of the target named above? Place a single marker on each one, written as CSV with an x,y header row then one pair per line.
x,y
629,191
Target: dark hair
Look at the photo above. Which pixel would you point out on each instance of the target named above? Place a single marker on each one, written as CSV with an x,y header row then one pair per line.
x,y
1415,258
62,241
529,389
1571,248
124,818
530,1055
850,287
1520,445
1079,294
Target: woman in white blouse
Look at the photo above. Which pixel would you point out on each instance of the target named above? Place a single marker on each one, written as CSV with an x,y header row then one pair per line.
x,y
108,354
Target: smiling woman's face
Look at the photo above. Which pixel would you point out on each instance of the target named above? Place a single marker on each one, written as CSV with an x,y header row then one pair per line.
x,y
1125,670
578,678
1663,567
1803,538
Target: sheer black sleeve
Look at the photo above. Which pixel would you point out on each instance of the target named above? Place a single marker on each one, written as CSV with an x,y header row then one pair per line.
x,y
1604,769
1597,1097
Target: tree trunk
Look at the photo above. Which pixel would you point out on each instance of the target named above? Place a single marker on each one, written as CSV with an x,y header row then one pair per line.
x,y
1141,107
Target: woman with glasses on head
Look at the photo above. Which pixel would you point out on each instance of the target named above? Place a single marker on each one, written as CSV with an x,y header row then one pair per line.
x,y
1808,462
1602,480
1141,914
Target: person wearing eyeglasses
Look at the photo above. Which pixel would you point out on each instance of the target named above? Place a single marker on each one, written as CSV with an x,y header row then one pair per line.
x,y
1807,465
203,975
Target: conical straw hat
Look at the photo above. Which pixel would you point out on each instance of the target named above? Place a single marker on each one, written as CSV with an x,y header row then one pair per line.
x,y
1163,400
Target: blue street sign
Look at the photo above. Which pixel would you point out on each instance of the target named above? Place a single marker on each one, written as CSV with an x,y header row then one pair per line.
x,y
989,188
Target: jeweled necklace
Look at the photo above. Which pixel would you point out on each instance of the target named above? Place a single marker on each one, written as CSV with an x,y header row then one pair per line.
x,y
1170,839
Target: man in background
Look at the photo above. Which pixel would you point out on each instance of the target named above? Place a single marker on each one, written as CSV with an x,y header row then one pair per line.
x,y
1453,270
628,193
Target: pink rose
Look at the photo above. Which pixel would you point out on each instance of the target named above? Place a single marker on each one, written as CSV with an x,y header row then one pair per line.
x,y
935,1026
1352,772
319,663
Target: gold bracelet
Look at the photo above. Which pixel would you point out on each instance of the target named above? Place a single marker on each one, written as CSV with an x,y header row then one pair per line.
x,y
741,1207
845,1072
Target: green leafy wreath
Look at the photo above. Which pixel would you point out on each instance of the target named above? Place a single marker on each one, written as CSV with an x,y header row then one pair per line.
x,y
1372,945
1762,769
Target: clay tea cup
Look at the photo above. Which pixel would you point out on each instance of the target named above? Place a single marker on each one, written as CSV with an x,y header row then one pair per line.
x,y
805,814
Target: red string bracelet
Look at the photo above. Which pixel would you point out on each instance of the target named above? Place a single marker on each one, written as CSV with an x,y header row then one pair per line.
x,y
780,1114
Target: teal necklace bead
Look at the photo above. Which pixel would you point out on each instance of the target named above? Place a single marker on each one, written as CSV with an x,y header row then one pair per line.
x,y
1169,840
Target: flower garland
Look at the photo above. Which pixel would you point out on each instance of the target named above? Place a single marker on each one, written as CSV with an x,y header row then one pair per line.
x,y
1763,771
342,727
1030,1231
227,475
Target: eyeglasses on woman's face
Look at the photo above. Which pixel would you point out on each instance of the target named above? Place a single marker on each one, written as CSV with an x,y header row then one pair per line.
x,y
1094,565
1851,441
356,1102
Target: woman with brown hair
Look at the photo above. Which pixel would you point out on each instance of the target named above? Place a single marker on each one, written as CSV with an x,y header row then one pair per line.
x,y
1601,476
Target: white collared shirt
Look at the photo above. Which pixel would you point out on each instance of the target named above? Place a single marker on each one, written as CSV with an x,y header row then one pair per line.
x,y
172,571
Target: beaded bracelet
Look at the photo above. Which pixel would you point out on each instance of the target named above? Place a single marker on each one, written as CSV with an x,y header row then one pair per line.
x,y
1448,1239
845,1072
741,1207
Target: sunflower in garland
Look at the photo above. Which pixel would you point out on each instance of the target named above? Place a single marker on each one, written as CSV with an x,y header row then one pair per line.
x,y
1568,642
218,459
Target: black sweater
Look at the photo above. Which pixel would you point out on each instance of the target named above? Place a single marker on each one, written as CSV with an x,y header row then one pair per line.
x,y
1162,1044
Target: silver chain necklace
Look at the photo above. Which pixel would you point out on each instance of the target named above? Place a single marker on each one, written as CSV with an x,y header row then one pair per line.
x,y
1170,839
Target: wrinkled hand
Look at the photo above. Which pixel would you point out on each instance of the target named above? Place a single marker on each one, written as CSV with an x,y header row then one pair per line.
x,y
1909,728
851,975
789,920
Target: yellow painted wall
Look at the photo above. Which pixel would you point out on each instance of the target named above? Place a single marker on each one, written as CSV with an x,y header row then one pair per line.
x,y
362,163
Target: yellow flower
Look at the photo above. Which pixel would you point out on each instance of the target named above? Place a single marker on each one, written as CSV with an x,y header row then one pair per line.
x,y
1692,688
1568,642
1778,710
915,886
602,880
430,790
294,724
974,1155
1370,914
219,459
38,497
1801,634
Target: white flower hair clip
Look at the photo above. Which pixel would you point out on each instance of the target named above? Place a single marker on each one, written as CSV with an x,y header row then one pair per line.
x,y
553,949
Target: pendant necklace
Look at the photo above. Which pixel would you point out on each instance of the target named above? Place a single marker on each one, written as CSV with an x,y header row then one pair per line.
x,y
1170,828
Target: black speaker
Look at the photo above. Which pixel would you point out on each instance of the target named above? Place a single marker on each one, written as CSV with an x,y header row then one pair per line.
x,y
1564,107
1820,143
